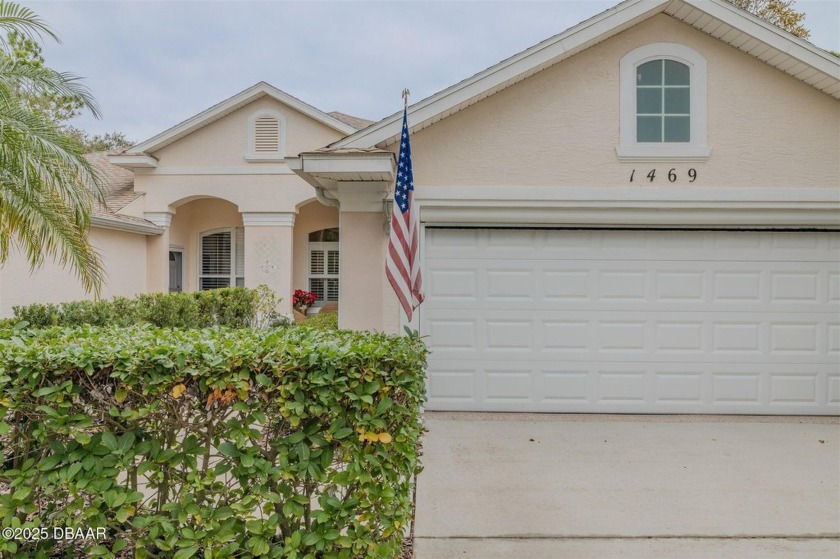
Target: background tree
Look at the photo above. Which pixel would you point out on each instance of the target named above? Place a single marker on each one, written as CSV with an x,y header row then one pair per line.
x,y
47,187
777,12
24,50
98,142
59,108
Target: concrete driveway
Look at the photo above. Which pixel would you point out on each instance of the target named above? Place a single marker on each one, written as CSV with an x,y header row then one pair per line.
x,y
551,486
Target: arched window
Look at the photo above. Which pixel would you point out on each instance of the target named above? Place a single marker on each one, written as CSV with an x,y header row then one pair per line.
x,y
663,104
221,258
663,101
266,136
324,265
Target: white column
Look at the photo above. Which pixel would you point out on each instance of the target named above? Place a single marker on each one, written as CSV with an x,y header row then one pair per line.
x,y
268,253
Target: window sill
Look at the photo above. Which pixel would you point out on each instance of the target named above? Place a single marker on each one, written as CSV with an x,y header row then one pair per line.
x,y
663,153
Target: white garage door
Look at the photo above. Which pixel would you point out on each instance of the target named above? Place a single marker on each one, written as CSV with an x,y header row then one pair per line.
x,y
633,321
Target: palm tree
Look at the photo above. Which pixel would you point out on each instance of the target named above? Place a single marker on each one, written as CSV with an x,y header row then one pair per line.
x,y
47,187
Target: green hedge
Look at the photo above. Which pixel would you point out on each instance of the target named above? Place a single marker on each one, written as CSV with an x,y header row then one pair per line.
x,y
212,443
322,321
235,307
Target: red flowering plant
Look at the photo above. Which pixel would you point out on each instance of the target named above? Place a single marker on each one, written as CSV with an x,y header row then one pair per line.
x,y
301,299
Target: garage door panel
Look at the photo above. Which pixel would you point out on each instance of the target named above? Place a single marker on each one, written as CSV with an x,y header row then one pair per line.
x,y
623,285
668,336
832,343
633,321
834,287
631,245
620,387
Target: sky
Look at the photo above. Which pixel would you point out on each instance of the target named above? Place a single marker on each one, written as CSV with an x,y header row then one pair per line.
x,y
152,65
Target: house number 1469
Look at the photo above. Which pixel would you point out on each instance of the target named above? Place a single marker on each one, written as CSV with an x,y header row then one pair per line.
x,y
672,175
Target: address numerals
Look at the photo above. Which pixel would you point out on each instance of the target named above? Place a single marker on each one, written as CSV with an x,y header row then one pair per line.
x,y
672,176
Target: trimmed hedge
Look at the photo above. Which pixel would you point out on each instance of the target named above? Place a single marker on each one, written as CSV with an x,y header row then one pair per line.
x,y
213,443
236,307
322,321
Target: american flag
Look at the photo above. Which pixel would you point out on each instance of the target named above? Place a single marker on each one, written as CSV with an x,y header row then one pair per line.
x,y
401,264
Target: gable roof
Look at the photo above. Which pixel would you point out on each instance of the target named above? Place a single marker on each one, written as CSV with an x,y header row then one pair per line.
x,y
119,192
717,18
261,89
354,121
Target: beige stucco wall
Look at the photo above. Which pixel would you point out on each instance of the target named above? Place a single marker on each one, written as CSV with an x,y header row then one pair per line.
x,y
561,126
223,143
190,221
313,216
251,193
363,279
205,181
124,258
211,162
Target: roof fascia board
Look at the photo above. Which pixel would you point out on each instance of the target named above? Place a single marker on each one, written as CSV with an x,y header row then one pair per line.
x,y
613,20
580,36
133,161
228,106
350,163
119,225
770,34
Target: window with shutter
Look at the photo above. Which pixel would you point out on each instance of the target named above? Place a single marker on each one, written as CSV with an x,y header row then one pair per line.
x,y
222,259
324,265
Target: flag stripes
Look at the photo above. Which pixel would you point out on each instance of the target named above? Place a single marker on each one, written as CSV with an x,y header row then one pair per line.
x,y
402,266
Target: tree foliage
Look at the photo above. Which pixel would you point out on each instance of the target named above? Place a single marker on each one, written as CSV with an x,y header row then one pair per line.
x,y
98,142
47,187
56,106
777,12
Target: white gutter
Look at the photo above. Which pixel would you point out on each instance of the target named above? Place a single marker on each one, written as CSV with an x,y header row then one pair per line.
x,y
119,225
321,195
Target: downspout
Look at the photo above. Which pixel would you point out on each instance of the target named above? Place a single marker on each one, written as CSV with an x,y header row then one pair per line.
x,y
321,195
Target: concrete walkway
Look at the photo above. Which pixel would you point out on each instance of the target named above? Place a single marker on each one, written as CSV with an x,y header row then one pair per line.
x,y
551,486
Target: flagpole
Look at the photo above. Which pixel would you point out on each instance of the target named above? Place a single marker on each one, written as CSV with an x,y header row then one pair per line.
x,y
405,94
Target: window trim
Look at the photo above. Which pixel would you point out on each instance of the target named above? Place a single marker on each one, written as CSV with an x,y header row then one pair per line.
x,y
232,231
693,150
180,249
252,155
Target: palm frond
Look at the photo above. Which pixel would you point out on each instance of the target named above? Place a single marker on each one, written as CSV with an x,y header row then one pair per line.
x,y
17,78
14,17
47,192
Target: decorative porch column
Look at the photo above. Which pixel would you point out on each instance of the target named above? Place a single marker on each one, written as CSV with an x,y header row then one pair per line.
x,y
157,254
358,182
362,246
268,253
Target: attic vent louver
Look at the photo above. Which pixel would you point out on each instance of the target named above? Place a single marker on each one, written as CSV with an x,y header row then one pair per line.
x,y
266,134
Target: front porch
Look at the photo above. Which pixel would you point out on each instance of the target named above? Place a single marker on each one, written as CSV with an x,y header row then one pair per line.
x,y
210,243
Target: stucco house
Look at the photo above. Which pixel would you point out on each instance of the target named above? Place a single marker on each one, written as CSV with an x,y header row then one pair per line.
x,y
638,215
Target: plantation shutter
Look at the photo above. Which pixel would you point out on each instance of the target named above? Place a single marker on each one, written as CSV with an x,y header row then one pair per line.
x,y
215,254
266,134
222,259
332,262
323,269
